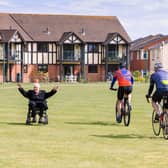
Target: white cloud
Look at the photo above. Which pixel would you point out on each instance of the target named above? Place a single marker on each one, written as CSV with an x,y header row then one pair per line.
x,y
138,17
147,25
156,5
4,3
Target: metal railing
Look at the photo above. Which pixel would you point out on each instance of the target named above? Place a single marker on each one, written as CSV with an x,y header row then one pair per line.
x,y
70,56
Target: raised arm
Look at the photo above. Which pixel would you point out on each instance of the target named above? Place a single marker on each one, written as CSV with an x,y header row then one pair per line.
x,y
52,92
22,91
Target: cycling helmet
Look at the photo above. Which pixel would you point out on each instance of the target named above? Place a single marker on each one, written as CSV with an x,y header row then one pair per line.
x,y
158,65
123,64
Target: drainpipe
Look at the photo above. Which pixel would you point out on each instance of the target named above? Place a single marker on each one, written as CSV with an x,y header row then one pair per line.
x,y
61,57
83,62
7,63
21,60
127,57
3,67
106,65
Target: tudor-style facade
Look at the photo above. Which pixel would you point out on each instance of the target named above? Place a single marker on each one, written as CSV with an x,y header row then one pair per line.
x,y
84,54
11,54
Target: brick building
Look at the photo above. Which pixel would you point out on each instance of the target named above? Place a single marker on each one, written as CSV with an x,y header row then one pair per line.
x,y
61,46
145,52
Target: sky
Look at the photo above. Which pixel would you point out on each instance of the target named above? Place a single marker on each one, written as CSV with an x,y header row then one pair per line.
x,y
140,18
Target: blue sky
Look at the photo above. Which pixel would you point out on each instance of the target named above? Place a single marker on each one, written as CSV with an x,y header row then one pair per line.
x,y
139,17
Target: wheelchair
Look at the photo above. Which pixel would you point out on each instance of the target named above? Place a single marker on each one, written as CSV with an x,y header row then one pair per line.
x,y
33,118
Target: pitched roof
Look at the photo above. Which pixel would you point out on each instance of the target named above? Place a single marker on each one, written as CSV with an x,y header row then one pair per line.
x,y
142,42
33,27
165,42
6,35
7,23
65,36
111,36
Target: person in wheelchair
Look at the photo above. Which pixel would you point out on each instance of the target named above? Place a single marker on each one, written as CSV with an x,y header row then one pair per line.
x,y
37,102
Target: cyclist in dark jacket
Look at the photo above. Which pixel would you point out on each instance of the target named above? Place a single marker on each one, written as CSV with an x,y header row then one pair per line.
x,y
37,98
160,79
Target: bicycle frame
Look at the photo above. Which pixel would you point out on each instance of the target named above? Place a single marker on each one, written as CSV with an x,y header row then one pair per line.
x,y
125,110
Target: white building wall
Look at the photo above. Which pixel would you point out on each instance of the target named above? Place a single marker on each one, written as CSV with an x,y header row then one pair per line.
x,y
159,54
165,55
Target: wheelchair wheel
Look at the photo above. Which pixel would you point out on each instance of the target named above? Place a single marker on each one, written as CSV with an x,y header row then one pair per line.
x,y
28,121
156,125
46,119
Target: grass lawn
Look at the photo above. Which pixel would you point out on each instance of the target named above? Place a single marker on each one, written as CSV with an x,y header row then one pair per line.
x,y
82,132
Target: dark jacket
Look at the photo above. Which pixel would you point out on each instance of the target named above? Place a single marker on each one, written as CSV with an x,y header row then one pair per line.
x,y
42,96
160,79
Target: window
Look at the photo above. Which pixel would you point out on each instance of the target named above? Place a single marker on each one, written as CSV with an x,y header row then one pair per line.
x,y
68,51
42,47
93,48
145,55
92,69
1,51
25,68
69,47
43,68
113,51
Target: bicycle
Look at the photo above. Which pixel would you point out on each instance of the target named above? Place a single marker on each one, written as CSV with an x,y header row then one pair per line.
x,y
125,110
162,122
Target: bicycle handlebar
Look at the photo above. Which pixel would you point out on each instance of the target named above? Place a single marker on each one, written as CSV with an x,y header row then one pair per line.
x,y
147,98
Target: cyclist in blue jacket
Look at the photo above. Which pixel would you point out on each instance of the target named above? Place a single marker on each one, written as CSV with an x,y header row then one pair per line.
x,y
160,79
125,82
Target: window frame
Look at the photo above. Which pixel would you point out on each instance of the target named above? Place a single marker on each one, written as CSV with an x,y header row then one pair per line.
x,y
43,68
25,68
92,68
42,47
93,48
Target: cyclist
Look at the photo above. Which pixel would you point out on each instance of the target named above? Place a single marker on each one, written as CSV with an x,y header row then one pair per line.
x,y
160,79
125,82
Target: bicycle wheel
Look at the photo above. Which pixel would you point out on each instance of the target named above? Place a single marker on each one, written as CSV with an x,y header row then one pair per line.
x,y
155,124
127,113
165,125
118,120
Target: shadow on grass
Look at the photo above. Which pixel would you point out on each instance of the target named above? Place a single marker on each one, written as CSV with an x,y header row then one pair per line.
x,y
126,136
94,123
16,123
12,123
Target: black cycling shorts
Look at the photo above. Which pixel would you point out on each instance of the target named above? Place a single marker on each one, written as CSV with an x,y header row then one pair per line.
x,y
123,90
157,96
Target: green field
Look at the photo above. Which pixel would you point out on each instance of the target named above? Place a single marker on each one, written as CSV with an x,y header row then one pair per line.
x,y
82,132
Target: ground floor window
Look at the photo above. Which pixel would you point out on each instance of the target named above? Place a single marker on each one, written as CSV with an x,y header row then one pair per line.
x,y
25,68
43,68
92,69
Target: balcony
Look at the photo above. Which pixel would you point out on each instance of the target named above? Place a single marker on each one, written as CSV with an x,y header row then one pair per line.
x,y
69,55
112,57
